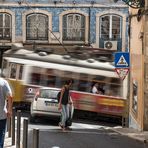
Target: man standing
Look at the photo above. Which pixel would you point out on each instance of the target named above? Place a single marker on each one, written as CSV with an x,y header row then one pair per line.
x,y
63,103
5,107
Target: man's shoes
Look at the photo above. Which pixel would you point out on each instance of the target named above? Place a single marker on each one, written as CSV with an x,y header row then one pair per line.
x,y
62,127
68,128
60,124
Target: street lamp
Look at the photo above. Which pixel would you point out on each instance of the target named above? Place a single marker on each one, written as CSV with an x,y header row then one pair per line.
x,y
134,3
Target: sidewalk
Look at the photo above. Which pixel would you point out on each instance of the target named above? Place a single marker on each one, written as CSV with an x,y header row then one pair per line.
x,y
133,133
8,142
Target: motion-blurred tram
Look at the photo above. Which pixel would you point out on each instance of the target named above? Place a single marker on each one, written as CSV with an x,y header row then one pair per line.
x,y
27,70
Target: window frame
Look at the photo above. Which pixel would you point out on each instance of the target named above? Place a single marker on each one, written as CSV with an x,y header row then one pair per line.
x,y
86,15
4,26
38,38
110,35
67,29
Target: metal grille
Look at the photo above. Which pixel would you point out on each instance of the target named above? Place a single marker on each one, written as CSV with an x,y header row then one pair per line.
x,y
5,26
37,27
74,27
110,27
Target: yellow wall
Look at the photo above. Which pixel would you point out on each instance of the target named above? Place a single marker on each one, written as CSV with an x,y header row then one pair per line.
x,y
136,71
136,76
136,29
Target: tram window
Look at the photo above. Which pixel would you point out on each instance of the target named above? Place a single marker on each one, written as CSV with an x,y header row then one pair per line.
x,y
59,82
116,91
82,83
75,84
35,78
115,80
51,80
42,79
83,86
13,68
4,68
108,89
20,71
68,75
113,89
99,78
110,86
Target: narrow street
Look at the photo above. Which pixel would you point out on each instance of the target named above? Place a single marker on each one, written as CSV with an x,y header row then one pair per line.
x,y
83,134
83,138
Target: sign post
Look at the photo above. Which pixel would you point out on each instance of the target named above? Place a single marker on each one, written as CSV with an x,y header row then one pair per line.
x,y
122,64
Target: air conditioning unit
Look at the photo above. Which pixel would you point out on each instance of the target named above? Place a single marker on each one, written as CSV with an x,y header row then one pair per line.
x,y
112,45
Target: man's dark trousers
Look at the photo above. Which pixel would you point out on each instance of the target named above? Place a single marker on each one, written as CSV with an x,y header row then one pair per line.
x,y
2,132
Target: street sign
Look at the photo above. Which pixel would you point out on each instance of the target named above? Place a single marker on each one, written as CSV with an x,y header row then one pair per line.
x,y
122,60
122,72
122,64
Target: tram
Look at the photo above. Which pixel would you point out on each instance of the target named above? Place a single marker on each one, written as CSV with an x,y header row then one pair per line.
x,y
28,70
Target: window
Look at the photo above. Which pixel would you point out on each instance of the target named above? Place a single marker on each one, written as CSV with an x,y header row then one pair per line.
x,y
4,71
5,26
21,68
37,27
73,27
48,93
110,27
13,70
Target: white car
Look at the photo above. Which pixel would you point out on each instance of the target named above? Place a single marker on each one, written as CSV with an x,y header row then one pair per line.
x,y
45,103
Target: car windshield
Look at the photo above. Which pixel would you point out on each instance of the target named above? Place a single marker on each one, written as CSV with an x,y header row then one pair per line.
x,y
46,93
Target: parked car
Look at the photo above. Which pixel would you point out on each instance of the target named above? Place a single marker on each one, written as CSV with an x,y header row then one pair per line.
x,y
45,103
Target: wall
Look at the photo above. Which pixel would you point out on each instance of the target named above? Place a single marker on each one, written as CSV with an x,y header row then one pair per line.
x,y
146,71
136,107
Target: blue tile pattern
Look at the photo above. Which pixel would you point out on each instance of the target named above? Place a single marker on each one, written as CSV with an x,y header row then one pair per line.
x,y
70,1
92,11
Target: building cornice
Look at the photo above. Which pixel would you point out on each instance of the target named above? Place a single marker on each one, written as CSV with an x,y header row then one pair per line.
x,y
61,5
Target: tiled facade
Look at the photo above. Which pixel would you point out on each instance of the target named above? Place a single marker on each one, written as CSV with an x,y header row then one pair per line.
x,y
55,10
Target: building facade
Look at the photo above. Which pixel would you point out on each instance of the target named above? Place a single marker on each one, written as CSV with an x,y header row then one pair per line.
x,y
70,22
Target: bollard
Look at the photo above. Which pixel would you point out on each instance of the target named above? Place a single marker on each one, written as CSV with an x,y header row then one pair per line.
x,y
18,128
13,126
35,138
9,126
145,143
25,133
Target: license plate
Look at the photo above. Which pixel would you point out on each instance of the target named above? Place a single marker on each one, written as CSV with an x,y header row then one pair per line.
x,y
50,104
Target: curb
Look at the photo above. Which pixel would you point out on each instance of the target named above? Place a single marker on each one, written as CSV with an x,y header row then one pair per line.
x,y
134,135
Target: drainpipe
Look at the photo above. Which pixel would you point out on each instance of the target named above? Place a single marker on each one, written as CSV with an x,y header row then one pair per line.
x,y
89,27
129,82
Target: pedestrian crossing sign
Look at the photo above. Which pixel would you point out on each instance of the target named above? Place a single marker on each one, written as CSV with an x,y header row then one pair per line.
x,y
122,60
